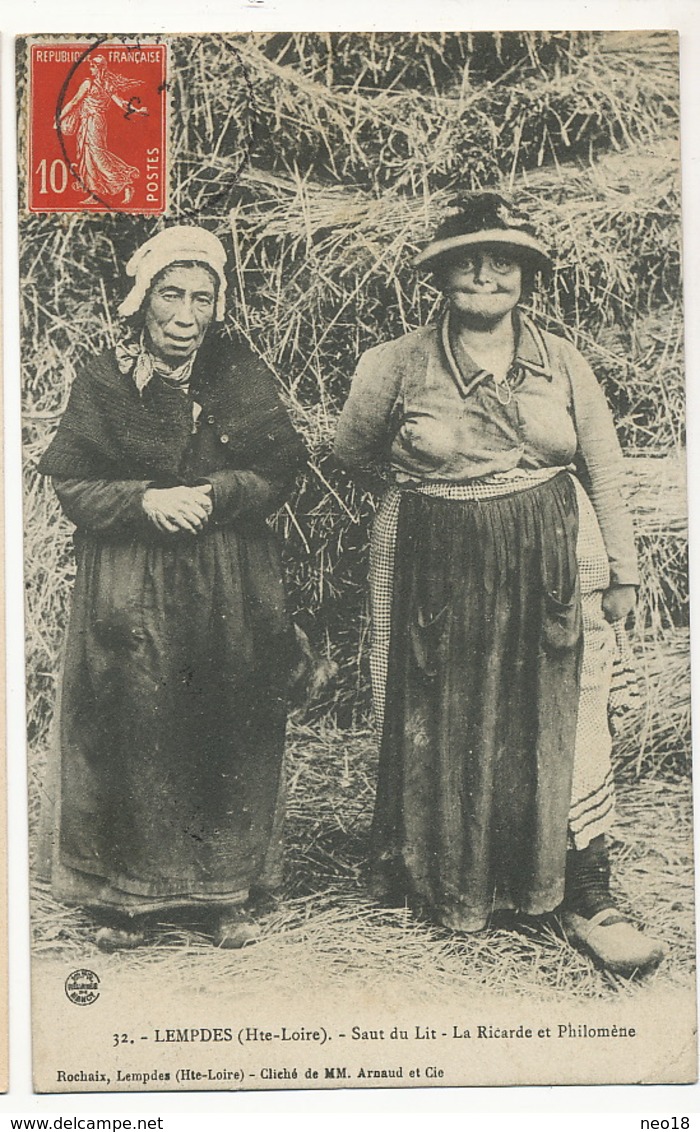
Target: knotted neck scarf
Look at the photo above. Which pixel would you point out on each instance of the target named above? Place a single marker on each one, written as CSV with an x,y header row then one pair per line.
x,y
134,357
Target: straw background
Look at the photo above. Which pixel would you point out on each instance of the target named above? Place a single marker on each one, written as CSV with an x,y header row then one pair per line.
x,y
324,161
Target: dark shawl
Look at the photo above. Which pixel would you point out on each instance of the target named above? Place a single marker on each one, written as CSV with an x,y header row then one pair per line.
x,y
110,431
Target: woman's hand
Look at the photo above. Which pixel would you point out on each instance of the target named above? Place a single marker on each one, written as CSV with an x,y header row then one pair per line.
x,y
181,508
618,602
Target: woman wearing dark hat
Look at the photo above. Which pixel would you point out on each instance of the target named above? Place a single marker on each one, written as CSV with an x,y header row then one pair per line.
x,y
495,582
173,450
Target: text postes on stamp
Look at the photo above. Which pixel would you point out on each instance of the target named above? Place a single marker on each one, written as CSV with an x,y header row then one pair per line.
x,y
98,128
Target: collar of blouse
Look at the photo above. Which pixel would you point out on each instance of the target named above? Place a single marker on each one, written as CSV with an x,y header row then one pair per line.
x,y
530,354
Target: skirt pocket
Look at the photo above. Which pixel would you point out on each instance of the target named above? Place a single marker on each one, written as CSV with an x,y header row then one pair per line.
x,y
427,636
118,597
562,623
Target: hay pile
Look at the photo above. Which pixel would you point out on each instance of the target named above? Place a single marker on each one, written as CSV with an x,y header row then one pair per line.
x,y
323,161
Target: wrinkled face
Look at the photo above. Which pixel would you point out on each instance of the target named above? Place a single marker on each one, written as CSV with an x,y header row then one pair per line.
x,y
179,309
483,283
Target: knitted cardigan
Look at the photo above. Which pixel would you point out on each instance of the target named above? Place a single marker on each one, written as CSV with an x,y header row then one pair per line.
x,y
111,431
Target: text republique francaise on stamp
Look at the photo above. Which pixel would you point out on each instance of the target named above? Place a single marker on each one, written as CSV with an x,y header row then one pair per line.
x,y
98,128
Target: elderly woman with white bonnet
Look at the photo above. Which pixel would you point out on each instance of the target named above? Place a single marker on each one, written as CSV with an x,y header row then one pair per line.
x,y
172,452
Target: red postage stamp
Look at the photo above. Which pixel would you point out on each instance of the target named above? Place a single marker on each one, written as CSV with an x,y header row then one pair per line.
x,y
98,128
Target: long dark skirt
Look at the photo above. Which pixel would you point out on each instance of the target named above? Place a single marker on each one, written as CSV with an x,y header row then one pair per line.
x,y
477,750
168,784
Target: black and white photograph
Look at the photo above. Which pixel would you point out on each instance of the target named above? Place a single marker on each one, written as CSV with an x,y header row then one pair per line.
x,y
355,560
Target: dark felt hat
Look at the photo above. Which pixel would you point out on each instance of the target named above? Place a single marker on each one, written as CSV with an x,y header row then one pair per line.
x,y
484,218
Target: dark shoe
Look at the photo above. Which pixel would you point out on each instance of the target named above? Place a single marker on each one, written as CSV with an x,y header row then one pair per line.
x,y
235,929
262,901
592,922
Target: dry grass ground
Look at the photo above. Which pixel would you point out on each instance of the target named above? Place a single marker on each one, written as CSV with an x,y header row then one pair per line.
x,y
359,144
328,934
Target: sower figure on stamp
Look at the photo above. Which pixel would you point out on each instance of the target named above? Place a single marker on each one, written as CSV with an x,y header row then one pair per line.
x,y
496,577
172,452
100,171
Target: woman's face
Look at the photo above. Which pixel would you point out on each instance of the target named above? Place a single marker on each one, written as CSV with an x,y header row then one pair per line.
x,y
179,309
482,284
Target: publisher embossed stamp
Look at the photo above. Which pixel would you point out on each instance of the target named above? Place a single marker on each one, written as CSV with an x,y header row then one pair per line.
x,y
98,128
82,987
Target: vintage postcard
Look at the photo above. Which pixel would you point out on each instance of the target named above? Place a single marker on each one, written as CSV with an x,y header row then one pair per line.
x,y
355,560
4,936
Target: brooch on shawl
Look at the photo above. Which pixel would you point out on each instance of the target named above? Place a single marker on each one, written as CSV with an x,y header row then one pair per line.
x,y
133,357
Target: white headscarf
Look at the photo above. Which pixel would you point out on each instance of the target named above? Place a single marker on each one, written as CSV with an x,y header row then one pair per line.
x,y
180,244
